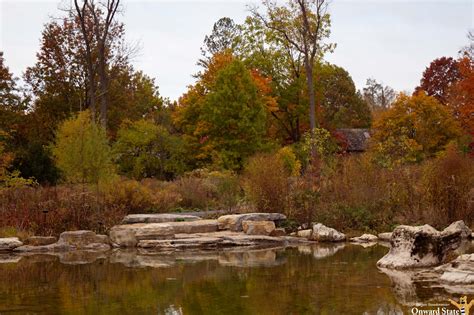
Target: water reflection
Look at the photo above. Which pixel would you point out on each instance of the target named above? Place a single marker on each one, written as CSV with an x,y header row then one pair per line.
x,y
330,279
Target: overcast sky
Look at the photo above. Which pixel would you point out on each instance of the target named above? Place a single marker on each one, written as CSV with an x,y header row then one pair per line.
x,y
392,41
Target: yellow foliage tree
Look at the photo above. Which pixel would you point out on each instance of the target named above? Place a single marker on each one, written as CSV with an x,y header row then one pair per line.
x,y
415,127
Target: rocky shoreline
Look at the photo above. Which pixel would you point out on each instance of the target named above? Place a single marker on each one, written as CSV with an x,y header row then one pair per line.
x,y
145,239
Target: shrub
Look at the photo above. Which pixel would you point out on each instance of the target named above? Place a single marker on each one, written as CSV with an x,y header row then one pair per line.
x,y
82,151
448,181
144,149
129,195
267,183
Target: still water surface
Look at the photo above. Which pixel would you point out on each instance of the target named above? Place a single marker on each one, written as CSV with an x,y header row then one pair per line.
x,y
338,279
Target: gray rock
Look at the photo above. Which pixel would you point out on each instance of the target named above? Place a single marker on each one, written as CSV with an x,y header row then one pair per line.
x,y
9,243
365,238
420,246
40,240
158,218
322,233
258,227
233,222
385,237
458,227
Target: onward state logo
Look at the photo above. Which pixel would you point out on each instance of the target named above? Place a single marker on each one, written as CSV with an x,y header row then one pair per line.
x,y
463,308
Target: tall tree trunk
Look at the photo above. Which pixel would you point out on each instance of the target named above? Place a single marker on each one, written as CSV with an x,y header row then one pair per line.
x,y
315,163
103,86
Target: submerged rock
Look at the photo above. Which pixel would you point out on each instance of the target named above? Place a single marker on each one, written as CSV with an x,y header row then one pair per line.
x,y
459,271
72,240
40,240
258,227
422,246
158,218
233,222
322,233
9,243
365,238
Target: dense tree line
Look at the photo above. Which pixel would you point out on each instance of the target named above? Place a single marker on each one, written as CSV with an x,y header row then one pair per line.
x,y
263,84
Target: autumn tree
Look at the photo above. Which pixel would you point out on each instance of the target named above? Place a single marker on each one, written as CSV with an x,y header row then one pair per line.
x,y
378,96
438,78
233,118
461,97
12,104
303,24
223,115
415,127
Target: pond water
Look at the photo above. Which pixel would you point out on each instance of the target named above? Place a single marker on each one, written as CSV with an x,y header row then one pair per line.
x,y
337,279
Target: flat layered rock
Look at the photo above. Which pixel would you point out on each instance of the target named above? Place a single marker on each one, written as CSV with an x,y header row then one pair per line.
x,y
158,218
422,246
128,235
233,222
9,243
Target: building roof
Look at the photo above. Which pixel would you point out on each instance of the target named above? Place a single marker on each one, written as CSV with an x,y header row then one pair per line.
x,y
355,139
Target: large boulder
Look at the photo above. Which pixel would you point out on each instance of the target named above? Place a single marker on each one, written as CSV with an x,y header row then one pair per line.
x,y
40,240
258,227
421,246
9,243
233,222
322,233
158,218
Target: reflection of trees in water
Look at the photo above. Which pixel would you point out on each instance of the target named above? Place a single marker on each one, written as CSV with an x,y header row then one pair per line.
x,y
233,282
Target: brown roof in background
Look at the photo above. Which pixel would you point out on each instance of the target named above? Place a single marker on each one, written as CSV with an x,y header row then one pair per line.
x,y
356,139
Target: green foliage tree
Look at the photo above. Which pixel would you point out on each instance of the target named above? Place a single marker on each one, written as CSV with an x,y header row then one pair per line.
x,y
341,105
82,150
232,122
145,149
415,127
